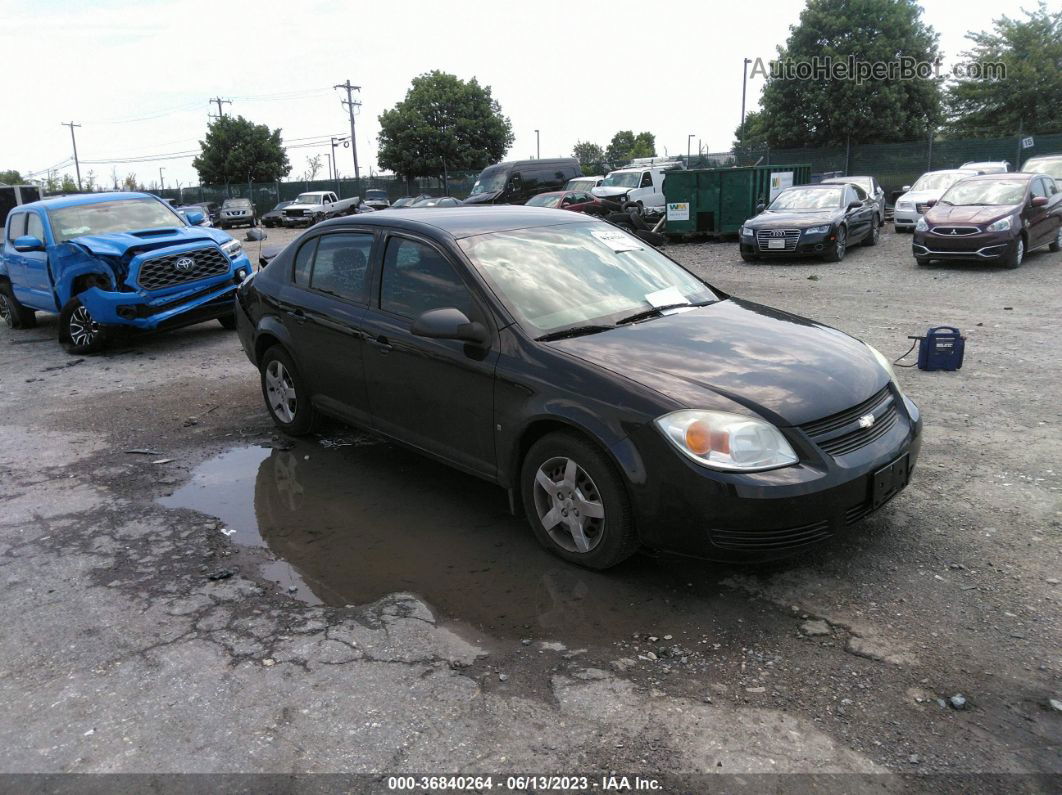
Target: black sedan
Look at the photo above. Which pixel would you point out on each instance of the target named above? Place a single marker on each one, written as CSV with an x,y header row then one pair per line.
x,y
619,399
275,217
812,220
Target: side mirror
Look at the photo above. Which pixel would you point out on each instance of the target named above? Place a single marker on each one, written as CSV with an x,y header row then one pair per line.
x,y
905,188
1037,201
27,243
450,324
195,217
930,202
854,205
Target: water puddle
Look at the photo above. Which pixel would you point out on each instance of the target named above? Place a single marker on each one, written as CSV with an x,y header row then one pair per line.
x,y
349,524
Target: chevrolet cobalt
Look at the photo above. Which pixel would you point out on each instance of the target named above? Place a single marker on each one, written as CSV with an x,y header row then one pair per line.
x,y
621,401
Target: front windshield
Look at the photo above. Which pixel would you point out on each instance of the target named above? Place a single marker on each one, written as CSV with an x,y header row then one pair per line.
x,y
309,198
580,184
807,199
281,206
1051,167
941,181
556,277
376,194
622,179
123,215
492,180
991,192
230,203
544,200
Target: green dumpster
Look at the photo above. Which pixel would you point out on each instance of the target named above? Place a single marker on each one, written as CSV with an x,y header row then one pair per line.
x,y
717,201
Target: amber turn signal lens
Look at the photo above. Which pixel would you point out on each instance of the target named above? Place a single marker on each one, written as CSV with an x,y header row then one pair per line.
x,y
699,438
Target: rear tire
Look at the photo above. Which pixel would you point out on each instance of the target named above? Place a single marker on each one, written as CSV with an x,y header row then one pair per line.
x,y
286,396
576,502
872,238
78,331
12,313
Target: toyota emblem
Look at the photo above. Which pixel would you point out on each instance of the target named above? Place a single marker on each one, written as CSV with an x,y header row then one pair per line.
x,y
184,264
866,420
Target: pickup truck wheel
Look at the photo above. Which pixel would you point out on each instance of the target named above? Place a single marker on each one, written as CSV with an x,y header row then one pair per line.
x,y
78,331
286,395
14,314
228,321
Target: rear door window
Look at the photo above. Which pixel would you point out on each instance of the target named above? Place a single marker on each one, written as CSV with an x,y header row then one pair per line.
x,y
304,261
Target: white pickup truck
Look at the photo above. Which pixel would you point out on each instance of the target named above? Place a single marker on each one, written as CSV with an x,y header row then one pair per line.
x,y
637,188
314,206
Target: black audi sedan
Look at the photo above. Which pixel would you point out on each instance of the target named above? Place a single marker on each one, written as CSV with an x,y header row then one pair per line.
x,y
812,220
622,401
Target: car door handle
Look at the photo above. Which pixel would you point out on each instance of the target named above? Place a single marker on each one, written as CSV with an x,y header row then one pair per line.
x,y
381,343
298,314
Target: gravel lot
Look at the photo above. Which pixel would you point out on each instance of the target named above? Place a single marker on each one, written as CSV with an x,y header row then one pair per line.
x,y
137,636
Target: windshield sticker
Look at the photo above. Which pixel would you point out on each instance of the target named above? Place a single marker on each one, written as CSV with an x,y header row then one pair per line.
x,y
616,240
669,296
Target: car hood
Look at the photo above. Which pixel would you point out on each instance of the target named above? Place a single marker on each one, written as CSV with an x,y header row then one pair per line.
x,y
483,198
117,244
609,191
302,207
968,214
777,220
920,196
784,368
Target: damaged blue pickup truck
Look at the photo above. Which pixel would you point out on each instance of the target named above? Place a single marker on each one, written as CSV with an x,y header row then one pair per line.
x,y
104,261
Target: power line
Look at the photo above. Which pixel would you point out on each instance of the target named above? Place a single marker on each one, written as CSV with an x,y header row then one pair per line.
x,y
73,140
351,103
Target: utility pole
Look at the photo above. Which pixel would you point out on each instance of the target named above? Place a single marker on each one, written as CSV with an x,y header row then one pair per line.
x,y
744,86
351,104
73,140
689,143
162,185
538,150
220,102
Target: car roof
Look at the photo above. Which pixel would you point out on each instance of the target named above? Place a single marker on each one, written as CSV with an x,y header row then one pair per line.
x,y
79,199
822,184
1051,156
951,171
840,180
1000,177
465,221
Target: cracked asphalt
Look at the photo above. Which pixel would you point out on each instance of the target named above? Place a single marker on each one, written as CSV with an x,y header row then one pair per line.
x,y
143,632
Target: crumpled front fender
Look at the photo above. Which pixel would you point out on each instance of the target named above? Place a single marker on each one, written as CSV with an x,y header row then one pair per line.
x,y
68,261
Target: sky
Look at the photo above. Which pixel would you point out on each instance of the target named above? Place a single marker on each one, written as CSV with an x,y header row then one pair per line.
x,y
138,76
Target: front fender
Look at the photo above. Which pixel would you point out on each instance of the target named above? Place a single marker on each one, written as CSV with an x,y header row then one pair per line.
x,y
68,262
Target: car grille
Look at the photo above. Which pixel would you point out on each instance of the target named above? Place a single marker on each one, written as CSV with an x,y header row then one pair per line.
x,y
788,538
160,272
294,213
790,236
955,231
840,434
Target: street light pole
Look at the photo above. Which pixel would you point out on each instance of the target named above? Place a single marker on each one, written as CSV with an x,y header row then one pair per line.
x,y
538,151
744,86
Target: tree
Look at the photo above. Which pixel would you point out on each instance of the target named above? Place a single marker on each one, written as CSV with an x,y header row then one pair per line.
x,y
90,181
130,183
1029,97
444,123
68,185
238,150
11,177
826,109
625,145
753,135
313,165
588,154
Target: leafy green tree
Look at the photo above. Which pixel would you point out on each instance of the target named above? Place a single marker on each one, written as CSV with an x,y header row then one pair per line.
x,y
588,154
1029,97
238,150
753,134
11,177
822,111
625,145
130,183
443,124
68,185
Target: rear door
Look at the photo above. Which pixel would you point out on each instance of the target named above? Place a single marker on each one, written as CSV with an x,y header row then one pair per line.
x,y
436,395
861,218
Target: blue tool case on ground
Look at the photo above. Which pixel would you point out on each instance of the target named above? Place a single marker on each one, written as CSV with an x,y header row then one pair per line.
x,y
941,349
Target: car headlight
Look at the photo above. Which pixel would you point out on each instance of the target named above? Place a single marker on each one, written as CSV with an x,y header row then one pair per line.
x,y
904,206
745,231
728,442
1002,225
886,365
817,230
921,226
232,248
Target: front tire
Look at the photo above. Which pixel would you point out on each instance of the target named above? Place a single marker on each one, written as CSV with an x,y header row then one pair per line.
x,y
923,261
79,332
749,257
840,247
286,396
12,313
1057,244
576,502
228,321
1016,255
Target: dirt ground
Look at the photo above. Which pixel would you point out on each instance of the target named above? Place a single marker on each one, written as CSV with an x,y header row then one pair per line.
x,y
231,601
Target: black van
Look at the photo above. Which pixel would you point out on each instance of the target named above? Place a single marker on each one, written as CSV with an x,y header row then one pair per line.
x,y
518,180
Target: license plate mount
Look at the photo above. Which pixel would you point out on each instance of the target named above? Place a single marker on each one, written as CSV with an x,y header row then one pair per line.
x,y
889,480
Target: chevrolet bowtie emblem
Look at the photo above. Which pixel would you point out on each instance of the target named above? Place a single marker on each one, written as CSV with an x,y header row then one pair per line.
x,y
866,420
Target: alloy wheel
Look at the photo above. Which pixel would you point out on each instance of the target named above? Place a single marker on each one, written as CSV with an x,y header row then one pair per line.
x,y
1019,252
568,504
280,388
841,242
82,328
5,310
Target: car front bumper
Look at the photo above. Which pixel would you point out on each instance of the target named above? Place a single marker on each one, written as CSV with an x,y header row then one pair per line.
x,y
984,246
689,509
811,246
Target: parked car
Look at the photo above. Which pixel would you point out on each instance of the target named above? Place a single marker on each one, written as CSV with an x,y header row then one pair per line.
x,y
405,201
929,187
516,181
103,261
584,183
870,186
212,210
377,199
275,217
605,387
11,196
578,201
318,205
437,201
238,212
196,212
812,220
638,189
993,218
1045,164
987,166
